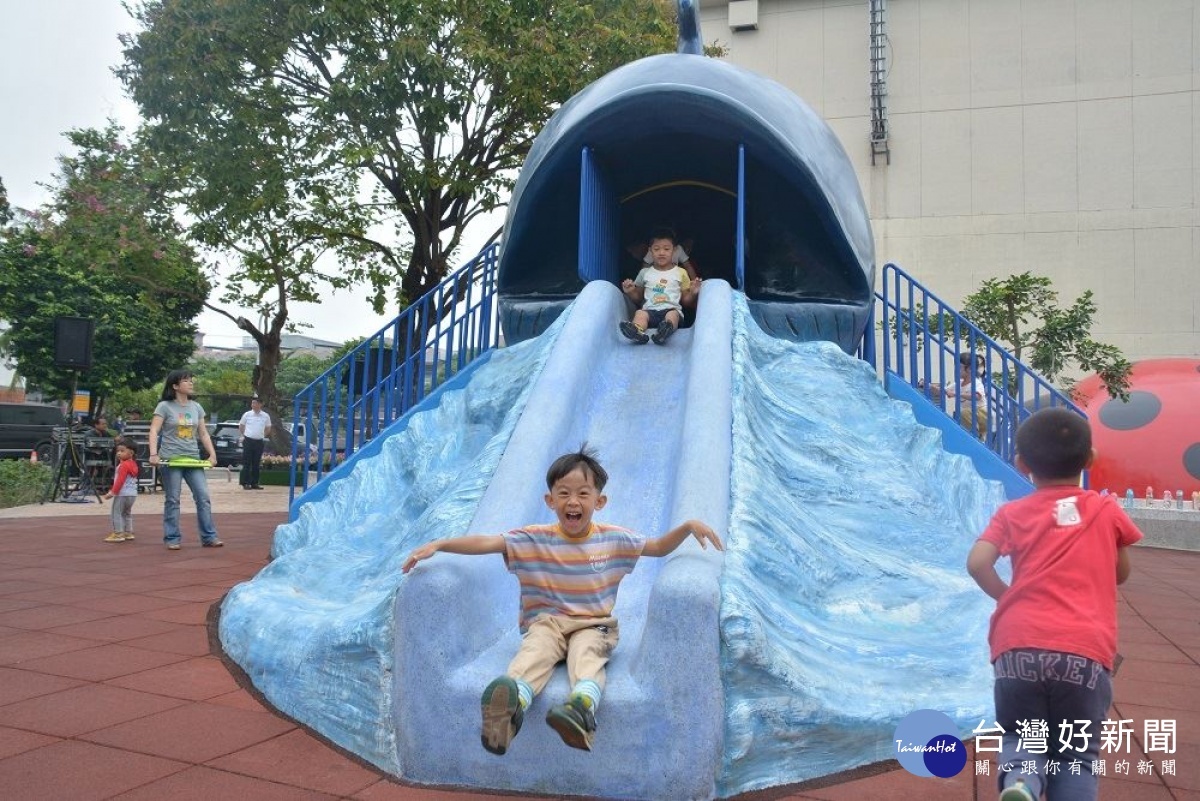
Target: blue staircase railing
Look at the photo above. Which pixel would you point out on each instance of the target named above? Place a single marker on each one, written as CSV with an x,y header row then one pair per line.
x,y
394,369
923,341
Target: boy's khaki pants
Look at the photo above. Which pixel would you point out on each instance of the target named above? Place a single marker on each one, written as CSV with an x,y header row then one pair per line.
x,y
585,642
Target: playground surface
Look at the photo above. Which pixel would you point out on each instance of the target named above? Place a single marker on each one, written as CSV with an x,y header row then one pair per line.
x,y
111,686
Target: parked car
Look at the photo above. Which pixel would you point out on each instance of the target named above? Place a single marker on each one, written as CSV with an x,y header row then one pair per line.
x,y
225,437
226,440
26,428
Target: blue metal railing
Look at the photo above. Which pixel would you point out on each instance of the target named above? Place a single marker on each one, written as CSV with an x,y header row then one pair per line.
x,y
924,341
394,369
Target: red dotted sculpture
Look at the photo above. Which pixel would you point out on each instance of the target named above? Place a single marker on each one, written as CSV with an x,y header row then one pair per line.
x,y
1154,438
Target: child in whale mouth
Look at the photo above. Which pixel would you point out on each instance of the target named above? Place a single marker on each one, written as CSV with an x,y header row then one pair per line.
x,y
659,291
569,574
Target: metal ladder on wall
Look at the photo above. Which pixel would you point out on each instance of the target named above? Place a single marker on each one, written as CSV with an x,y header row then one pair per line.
x,y
879,44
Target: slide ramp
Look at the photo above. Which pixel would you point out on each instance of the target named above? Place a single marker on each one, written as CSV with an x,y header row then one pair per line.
x,y
840,606
660,418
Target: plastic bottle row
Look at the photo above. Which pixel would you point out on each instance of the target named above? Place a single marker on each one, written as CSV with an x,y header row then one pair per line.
x,y
1168,501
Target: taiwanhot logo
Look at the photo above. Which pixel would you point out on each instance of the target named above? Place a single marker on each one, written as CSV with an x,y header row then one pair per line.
x,y
926,745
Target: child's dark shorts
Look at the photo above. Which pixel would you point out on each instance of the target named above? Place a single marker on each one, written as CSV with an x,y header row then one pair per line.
x,y
658,315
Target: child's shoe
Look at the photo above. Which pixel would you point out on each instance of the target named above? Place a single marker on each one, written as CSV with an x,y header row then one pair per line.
x,y
1017,791
574,722
502,714
129,536
665,329
116,536
631,331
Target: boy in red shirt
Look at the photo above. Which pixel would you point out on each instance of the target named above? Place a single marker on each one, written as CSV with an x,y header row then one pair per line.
x,y
1053,635
123,493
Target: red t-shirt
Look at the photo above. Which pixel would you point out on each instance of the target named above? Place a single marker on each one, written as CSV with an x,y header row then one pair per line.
x,y
1063,543
127,469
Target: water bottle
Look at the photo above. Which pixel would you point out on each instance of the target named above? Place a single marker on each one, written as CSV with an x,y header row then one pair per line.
x,y
1166,499
1178,499
1129,498
1149,497
1196,500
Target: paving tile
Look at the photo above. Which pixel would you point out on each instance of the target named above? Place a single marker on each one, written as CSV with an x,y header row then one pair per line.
x,y
299,759
1185,730
79,772
64,595
212,730
18,649
12,604
17,685
7,631
1115,790
131,602
195,614
117,628
82,709
59,577
1150,693
192,592
182,639
193,679
16,741
100,662
49,616
1186,766
1135,668
240,700
1162,651
9,586
205,784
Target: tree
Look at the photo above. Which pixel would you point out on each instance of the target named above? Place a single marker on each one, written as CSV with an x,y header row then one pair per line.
x,y
410,114
101,248
1022,312
5,209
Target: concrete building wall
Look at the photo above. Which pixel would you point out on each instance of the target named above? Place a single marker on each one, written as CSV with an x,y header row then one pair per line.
x,y
1058,136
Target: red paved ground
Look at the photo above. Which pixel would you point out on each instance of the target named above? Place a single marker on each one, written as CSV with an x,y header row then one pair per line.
x,y
110,687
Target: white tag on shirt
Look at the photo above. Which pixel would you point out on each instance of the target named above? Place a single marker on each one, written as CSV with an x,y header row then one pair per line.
x,y
1066,513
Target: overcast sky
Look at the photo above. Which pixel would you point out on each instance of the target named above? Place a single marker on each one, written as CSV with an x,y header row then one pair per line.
x,y
56,59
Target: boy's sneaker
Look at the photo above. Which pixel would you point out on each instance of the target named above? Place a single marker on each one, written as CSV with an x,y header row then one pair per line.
x,y
631,331
574,722
502,714
665,329
1017,792
173,546
129,536
116,536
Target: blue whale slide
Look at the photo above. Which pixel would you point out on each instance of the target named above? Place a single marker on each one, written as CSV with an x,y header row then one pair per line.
x,y
840,604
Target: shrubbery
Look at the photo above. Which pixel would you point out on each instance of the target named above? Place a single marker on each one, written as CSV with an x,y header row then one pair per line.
x,y
22,482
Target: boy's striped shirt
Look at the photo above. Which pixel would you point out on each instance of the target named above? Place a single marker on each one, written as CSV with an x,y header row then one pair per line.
x,y
572,577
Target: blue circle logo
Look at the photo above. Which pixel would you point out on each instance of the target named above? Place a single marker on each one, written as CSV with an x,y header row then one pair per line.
x,y
926,745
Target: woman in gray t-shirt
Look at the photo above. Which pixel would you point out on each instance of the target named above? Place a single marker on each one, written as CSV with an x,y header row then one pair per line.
x,y
177,430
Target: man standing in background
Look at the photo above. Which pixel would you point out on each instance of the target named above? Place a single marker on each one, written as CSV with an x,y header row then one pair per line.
x,y
254,427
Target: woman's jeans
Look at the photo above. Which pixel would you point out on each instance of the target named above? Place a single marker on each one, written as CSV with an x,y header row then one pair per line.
x,y
1055,688
172,479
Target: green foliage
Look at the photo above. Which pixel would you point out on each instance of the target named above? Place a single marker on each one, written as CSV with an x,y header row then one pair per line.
x,y
1022,312
22,482
124,399
104,247
307,125
6,213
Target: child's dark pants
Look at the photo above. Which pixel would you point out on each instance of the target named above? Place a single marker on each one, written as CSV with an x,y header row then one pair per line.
x,y
1055,687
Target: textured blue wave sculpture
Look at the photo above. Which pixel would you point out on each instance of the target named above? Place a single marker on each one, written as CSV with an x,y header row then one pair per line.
x,y
845,603
314,629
